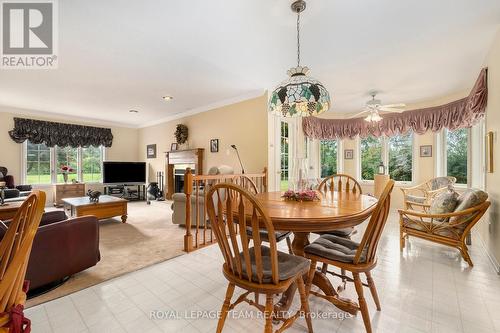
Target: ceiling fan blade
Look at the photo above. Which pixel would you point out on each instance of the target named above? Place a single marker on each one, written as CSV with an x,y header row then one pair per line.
x,y
358,114
386,109
399,106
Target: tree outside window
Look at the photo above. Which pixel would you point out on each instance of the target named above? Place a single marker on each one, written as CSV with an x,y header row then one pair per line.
x,y
66,156
37,164
328,157
401,157
92,164
371,155
456,154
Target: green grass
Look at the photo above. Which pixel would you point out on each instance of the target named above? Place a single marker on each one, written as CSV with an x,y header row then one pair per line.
x,y
284,185
46,179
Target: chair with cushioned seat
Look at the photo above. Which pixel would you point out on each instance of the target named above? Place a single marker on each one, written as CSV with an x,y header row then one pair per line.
x,y
352,256
416,197
449,227
257,269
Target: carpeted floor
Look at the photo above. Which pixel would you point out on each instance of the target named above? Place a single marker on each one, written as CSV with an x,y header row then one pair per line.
x,y
147,238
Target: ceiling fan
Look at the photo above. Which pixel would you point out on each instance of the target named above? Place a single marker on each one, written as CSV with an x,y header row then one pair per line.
x,y
374,108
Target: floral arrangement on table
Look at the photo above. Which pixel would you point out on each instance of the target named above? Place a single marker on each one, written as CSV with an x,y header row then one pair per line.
x,y
304,195
65,170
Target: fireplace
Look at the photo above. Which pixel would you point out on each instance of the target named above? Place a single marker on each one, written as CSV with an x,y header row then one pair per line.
x,y
179,172
177,163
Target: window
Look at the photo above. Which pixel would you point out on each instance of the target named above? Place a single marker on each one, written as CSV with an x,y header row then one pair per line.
x,y
401,157
395,152
37,164
371,155
43,164
284,157
328,157
66,156
456,154
91,164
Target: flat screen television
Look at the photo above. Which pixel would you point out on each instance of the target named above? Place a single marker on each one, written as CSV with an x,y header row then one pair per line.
x,y
125,173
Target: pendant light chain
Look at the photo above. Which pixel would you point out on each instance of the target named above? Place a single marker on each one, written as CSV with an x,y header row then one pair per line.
x,y
298,39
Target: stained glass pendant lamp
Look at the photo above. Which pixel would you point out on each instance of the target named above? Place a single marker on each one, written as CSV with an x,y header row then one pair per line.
x,y
300,95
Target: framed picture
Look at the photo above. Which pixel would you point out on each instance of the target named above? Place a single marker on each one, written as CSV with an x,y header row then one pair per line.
x,y
151,151
348,154
174,146
426,151
214,145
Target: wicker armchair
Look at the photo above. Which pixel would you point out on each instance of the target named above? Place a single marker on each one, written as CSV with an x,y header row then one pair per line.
x,y
417,197
447,229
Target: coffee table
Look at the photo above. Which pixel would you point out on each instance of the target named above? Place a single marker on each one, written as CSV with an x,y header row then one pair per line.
x,y
9,209
107,207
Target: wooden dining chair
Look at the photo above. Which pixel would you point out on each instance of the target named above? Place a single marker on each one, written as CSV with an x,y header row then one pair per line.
x,y
15,249
248,184
354,257
340,183
258,269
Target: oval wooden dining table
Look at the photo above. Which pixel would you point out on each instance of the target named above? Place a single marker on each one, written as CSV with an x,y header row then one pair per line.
x,y
334,210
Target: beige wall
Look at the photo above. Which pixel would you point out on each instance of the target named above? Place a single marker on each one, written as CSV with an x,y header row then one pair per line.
x,y
243,124
489,228
125,144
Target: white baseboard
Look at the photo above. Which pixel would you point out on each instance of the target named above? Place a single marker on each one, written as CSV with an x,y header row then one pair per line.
x,y
494,262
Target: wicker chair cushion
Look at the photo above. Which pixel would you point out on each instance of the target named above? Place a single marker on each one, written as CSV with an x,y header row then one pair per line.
x,y
468,199
414,198
440,182
264,235
442,229
444,203
335,248
288,265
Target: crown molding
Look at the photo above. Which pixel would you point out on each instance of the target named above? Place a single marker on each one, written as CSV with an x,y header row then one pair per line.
x,y
244,97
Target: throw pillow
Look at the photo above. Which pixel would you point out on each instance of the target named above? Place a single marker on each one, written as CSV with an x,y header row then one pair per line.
x,y
444,203
470,198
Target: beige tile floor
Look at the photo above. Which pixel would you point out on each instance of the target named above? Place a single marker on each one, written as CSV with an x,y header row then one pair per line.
x,y
428,288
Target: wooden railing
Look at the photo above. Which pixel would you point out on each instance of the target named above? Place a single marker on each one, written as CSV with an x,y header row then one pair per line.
x,y
199,233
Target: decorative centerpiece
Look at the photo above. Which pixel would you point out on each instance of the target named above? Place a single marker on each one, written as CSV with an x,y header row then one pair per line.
x,y
305,195
93,195
65,170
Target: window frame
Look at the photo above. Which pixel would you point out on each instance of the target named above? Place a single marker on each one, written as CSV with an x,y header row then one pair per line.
x,y
385,158
53,165
340,160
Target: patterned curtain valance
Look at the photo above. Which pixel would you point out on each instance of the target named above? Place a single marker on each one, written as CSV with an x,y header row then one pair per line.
x,y
458,114
60,134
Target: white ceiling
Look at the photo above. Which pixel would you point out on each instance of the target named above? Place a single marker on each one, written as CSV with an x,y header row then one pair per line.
x,y
117,55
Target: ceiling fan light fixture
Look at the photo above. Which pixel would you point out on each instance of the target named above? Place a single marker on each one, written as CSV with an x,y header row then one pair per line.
x,y
373,117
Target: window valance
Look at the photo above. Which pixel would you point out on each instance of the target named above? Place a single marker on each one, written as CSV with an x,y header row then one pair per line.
x,y
458,114
60,134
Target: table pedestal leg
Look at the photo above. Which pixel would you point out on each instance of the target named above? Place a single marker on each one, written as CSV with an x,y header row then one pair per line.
x,y
300,240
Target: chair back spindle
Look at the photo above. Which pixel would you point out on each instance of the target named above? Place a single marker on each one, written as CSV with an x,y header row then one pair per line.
x,y
375,226
341,183
239,206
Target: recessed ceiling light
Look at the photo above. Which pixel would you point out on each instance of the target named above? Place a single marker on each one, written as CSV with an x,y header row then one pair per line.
x,y
133,111
168,98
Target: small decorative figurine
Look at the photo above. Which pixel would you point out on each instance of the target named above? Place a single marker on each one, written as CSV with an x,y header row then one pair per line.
x,y
93,195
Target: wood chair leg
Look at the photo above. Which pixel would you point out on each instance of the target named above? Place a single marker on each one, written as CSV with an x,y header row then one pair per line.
x,y
310,277
324,268
304,302
256,298
373,289
401,240
465,254
362,302
289,244
225,307
268,314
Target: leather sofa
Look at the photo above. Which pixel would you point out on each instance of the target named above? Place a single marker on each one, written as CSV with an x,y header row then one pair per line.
x,y
62,247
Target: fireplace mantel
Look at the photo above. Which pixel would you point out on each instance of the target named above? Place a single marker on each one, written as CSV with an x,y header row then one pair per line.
x,y
188,156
